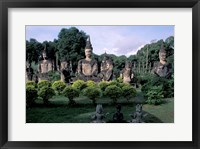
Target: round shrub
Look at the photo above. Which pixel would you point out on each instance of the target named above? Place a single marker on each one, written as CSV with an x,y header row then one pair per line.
x,y
79,84
102,85
46,93
155,95
93,93
113,92
58,86
114,82
121,85
90,83
71,92
31,83
44,83
128,92
31,95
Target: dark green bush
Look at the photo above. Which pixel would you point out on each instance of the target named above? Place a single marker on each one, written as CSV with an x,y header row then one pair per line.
x,y
58,86
31,95
114,82
155,95
54,76
79,84
128,92
46,93
113,92
43,83
71,92
92,92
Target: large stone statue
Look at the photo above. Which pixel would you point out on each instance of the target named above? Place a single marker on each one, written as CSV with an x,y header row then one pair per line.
x,y
88,67
44,67
127,74
162,68
106,68
118,117
65,71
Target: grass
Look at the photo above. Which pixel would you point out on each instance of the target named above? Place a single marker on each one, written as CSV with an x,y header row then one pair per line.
x,y
58,111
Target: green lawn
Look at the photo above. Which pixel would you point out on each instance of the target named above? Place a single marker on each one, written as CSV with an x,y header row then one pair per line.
x,y
59,112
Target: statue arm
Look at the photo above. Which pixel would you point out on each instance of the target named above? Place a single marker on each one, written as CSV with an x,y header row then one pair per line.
x,y
79,69
95,69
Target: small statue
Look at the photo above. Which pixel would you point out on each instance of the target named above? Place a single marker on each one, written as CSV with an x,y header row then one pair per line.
x,y
88,68
118,116
99,115
106,68
137,115
65,72
29,73
162,68
44,67
127,74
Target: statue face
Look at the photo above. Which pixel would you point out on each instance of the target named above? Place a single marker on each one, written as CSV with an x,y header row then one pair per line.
x,y
88,52
162,56
44,55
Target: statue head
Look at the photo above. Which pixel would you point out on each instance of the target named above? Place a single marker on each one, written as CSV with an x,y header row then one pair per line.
x,y
44,53
162,53
139,108
88,48
128,65
118,107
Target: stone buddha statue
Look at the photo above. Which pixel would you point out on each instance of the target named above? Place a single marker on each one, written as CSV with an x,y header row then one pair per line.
x,y
44,67
162,68
88,67
138,115
99,115
65,71
106,68
127,74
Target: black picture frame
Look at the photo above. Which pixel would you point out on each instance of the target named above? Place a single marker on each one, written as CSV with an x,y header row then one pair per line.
x,y
6,4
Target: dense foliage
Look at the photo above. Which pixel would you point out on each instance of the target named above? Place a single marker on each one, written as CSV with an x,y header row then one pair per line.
x,y
46,93
113,92
92,93
58,86
31,95
71,92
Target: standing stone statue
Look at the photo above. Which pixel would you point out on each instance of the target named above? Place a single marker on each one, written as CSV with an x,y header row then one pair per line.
x,y
127,74
44,67
106,68
65,71
88,67
137,115
29,73
99,115
162,68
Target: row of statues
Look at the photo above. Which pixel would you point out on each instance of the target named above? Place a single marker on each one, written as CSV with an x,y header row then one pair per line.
x,y
88,68
118,117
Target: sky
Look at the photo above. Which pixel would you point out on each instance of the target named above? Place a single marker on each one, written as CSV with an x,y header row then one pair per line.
x,y
118,40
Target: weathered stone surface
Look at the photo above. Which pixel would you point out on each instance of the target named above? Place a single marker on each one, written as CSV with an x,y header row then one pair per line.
x,y
127,74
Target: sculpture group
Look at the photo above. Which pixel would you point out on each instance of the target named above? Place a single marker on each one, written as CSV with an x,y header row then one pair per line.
x,y
88,68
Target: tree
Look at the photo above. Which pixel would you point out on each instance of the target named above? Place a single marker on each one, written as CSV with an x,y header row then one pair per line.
x,y
71,43
33,50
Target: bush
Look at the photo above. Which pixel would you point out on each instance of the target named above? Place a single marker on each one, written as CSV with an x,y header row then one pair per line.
x,y
54,76
121,85
79,84
43,83
128,92
31,83
58,86
114,82
120,79
155,95
31,95
102,85
113,92
167,86
92,92
46,93
71,92
91,83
